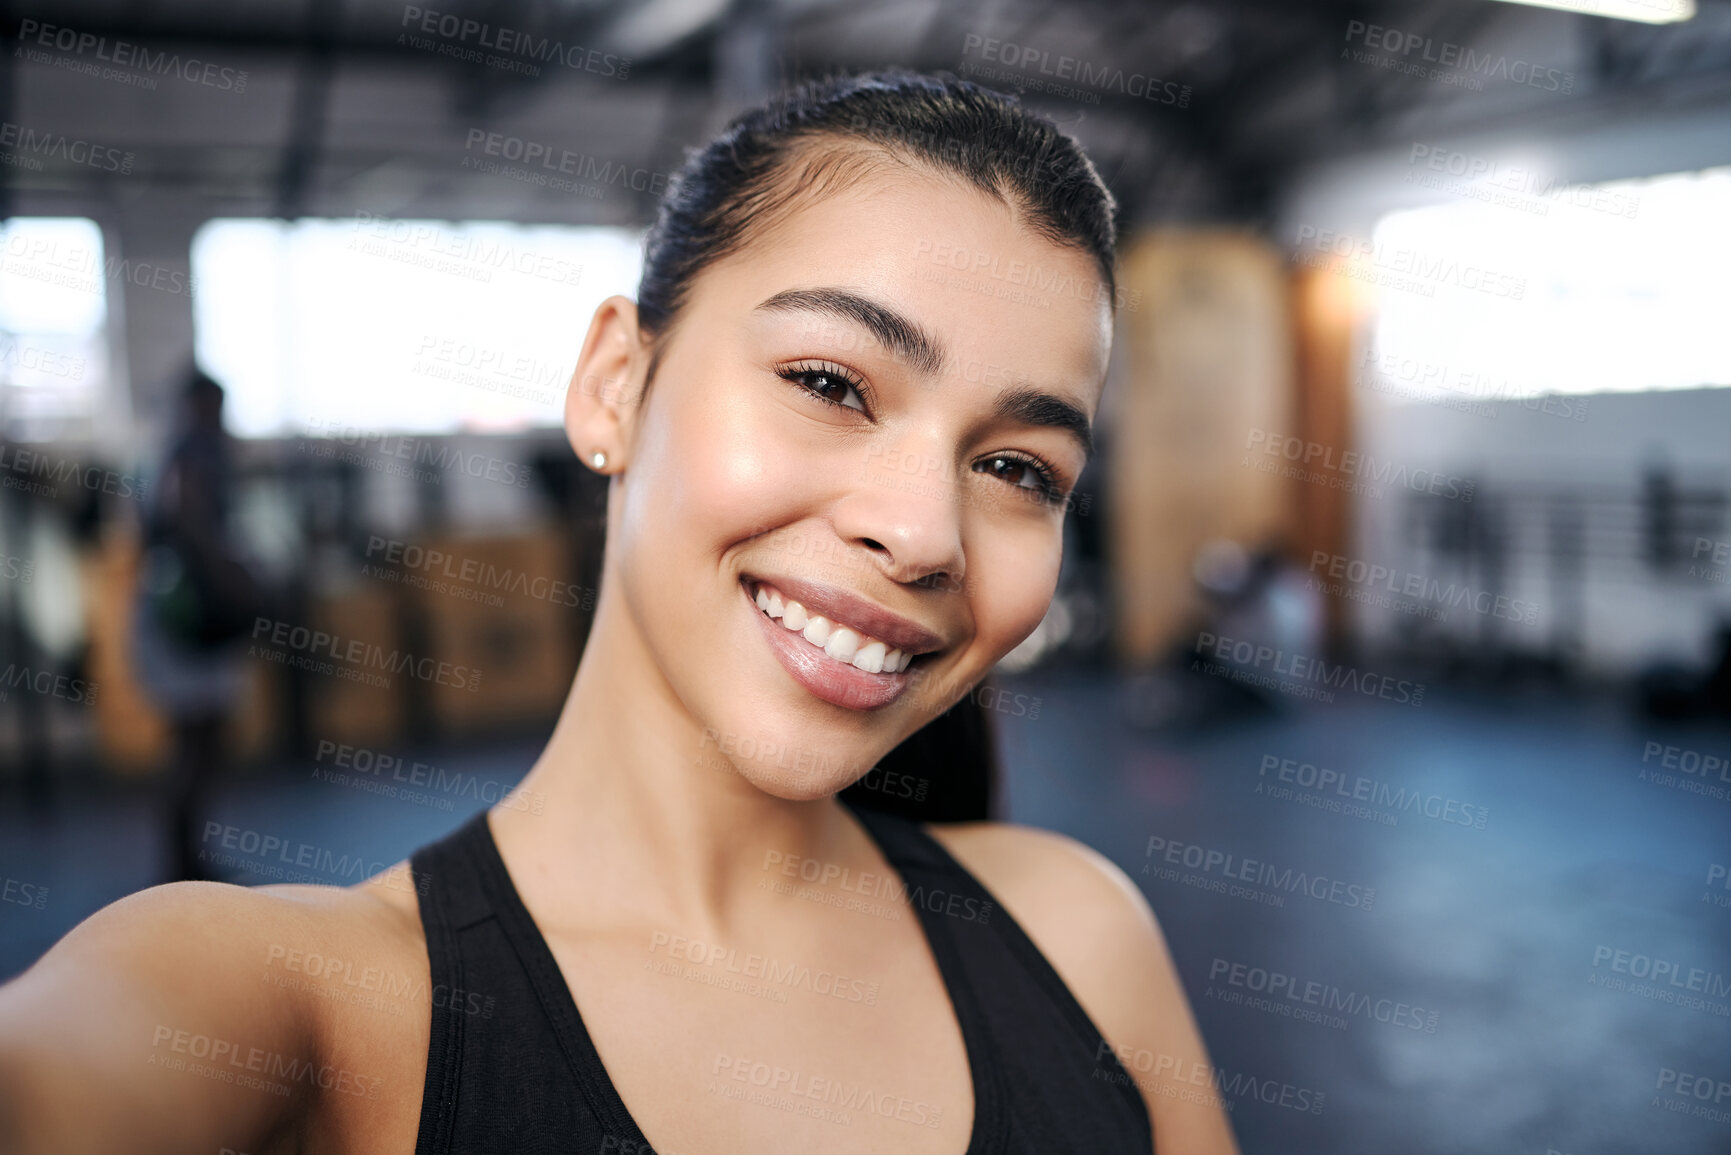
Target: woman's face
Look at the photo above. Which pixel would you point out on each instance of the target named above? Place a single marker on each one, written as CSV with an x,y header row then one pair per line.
x,y
875,411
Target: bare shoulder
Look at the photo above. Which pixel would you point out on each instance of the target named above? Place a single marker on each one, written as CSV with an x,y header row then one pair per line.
x,y
1079,908
193,933
1099,933
201,1014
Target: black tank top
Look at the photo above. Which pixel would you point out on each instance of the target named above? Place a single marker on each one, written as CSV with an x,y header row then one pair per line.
x,y
510,1066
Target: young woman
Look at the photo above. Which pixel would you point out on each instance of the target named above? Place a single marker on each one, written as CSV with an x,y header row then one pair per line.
x,y
840,424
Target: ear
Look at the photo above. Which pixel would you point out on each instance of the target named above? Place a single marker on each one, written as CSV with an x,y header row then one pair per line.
x,y
601,404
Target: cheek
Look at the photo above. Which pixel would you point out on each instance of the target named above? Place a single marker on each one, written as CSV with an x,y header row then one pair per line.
x,y
706,465
1012,578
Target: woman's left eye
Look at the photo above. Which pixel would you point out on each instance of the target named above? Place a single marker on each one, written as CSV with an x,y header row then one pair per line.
x,y
827,383
1021,472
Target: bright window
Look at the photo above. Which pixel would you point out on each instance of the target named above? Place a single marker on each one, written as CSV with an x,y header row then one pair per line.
x,y
399,325
1519,289
53,327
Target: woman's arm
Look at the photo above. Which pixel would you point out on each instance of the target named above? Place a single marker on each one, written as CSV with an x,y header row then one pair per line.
x,y
150,1027
1097,931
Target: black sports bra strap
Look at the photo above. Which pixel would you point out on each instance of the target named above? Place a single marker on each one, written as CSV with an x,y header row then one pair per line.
x,y
441,881
934,882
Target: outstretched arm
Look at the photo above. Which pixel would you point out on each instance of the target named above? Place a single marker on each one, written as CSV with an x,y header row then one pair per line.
x,y
148,1028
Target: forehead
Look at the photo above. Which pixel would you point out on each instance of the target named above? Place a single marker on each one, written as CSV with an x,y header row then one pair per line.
x,y
1004,300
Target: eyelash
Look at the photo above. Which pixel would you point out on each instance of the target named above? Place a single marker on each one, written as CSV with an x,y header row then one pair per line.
x,y
793,373
1050,488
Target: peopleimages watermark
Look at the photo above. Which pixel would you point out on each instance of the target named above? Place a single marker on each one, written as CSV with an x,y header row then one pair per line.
x,y
894,892
1356,796
490,369
441,571
767,750
269,855
471,255
828,553
1400,266
612,1144
1482,178
762,975
398,777
809,764
376,988
20,893
1171,1077
1349,470
16,356
1718,554
549,165
24,147
1717,877
45,684
123,55
1692,771
508,49
351,659
1661,979
1024,66
926,688
818,1097
252,1067
926,476
436,455
1037,278
1220,871
1701,1096
1047,160
1386,586
1325,1004
35,257
1469,390
42,474
1249,658
1461,65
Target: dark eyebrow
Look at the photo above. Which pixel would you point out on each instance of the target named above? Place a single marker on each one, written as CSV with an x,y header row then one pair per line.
x,y
904,339
1028,406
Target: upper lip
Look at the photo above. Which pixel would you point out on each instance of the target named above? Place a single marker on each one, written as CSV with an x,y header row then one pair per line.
x,y
849,609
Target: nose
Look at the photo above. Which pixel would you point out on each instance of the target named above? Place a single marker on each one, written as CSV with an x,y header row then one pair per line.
x,y
906,510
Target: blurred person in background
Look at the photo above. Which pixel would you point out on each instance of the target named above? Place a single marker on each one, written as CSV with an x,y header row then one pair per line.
x,y
195,602
1257,595
778,615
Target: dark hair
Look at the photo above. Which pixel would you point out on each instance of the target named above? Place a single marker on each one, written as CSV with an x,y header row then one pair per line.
x,y
815,139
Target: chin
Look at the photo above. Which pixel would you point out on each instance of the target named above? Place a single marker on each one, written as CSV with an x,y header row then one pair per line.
x,y
783,761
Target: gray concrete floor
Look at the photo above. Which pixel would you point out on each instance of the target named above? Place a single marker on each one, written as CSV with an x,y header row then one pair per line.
x,y
1476,1004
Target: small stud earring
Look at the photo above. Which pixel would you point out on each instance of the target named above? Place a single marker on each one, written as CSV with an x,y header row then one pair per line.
x,y
598,460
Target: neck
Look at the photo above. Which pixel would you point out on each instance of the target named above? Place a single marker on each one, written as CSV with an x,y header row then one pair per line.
x,y
658,822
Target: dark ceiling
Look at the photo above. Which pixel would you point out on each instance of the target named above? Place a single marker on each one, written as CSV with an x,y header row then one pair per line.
x,y
352,105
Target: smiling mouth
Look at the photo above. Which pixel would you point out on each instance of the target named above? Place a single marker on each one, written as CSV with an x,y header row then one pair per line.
x,y
841,642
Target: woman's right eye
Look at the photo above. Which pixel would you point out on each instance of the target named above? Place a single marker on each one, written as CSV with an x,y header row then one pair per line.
x,y
828,383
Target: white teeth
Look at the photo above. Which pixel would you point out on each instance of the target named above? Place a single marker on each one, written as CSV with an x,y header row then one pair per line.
x,y
816,629
870,657
843,643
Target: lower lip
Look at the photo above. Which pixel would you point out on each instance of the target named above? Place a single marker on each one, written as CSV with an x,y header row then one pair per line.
x,y
838,683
